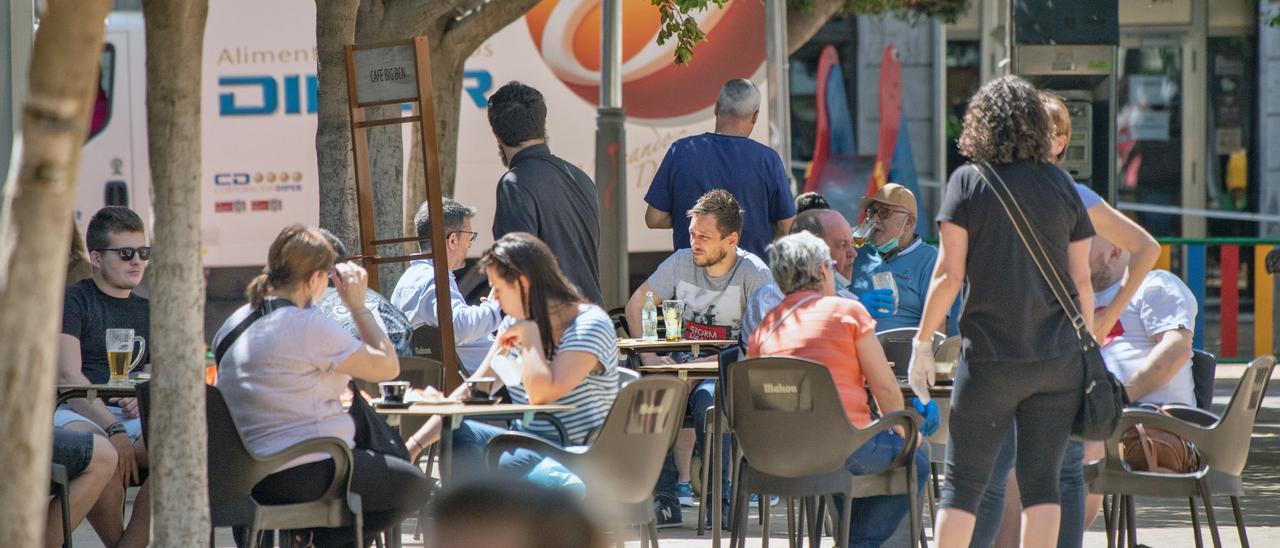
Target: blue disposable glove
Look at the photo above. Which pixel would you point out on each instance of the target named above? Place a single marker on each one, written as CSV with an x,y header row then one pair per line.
x,y
879,302
932,417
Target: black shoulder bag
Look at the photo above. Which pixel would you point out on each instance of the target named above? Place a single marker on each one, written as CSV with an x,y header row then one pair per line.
x,y
372,432
1104,396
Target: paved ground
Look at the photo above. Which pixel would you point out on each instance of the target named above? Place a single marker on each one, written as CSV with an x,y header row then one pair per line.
x,y
1161,523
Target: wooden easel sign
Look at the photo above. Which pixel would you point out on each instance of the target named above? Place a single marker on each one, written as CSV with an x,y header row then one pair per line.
x,y
394,73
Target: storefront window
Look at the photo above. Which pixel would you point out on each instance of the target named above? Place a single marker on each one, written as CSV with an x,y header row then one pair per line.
x,y
962,82
1233,180
1149,132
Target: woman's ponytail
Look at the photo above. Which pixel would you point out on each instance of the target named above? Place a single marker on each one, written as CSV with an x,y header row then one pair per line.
x,y
257,290
297,253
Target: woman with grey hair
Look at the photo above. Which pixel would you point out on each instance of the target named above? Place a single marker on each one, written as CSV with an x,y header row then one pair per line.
x,y
814,324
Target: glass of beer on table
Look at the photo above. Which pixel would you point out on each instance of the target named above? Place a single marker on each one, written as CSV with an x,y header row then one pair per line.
x,y
120,357
672,314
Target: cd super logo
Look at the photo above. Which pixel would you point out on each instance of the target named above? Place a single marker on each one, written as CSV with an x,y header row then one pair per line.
x,y
567,34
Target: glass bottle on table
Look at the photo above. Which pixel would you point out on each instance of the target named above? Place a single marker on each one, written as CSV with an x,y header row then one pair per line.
x,y
649,319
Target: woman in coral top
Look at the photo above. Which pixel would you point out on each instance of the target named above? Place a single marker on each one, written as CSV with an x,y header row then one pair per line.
x,y
814,324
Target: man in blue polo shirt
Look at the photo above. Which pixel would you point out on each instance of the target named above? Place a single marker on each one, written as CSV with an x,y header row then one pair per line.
x,y
895,247
727,159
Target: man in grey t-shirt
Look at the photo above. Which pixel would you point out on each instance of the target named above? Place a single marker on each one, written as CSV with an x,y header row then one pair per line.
x,y
714,279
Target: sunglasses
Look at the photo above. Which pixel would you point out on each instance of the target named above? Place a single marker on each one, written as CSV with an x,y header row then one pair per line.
x,y
126,253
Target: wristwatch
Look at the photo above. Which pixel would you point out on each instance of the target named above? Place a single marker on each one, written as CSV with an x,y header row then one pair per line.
x,y
117,428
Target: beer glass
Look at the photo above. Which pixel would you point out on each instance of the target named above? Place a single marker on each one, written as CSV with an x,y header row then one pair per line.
x,y
672,314
881,280
863,232
120,357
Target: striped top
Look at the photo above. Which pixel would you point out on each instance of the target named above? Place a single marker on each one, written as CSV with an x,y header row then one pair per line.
x,y
591,332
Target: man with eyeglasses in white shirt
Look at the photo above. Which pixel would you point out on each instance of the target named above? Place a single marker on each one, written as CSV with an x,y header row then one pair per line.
x,y
415,293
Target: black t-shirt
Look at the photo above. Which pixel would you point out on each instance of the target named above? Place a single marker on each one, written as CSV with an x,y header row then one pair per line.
x,y
555,201
1010,314
87,313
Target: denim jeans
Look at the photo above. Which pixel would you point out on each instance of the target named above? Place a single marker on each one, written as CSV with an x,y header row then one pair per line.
x,y
875,519
469,441
702,398
1070,485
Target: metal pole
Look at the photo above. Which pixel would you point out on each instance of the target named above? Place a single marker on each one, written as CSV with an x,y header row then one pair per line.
x,y
1273,268
775,23
18,16
994,41
611,162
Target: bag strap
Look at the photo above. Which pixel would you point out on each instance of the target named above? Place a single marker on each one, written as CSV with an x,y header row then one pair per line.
x,y
1148,448
266,308
1050,274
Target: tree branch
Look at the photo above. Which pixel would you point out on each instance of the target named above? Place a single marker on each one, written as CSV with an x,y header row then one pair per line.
x,y
803,23
410,15
473,29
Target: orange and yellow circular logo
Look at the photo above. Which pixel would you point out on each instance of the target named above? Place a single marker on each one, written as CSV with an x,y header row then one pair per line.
x,y
567,35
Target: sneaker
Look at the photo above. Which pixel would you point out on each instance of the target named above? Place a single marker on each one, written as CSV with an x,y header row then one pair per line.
x,y
684,492
755,501
667,510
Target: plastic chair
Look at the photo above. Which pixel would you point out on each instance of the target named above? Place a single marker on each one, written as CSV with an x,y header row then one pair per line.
x,y
948,350
60,486
427,343
713,447
623,463
234,470
627,376
897,347
619,317
1223,446
770,397
1204,367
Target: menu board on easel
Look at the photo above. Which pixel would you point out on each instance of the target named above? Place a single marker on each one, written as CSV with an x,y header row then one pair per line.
x,y
387,74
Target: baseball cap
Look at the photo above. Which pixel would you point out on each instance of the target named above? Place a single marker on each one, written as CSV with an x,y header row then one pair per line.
x,y
893,194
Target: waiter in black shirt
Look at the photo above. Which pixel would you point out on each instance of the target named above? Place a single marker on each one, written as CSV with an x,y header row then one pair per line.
x,y
541,193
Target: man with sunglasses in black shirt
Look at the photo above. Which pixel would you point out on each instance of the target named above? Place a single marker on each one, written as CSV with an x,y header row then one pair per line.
x,y
119,254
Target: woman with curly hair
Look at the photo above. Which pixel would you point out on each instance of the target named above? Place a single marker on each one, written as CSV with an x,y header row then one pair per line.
x,y
1021,358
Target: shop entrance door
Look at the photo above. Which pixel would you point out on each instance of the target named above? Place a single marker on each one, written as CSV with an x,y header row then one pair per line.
x,y
1160,130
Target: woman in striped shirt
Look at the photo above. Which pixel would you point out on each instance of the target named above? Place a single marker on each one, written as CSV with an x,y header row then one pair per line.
x,y
567,349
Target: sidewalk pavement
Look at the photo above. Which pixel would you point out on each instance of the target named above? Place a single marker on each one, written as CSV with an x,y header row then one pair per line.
x,y
1161,522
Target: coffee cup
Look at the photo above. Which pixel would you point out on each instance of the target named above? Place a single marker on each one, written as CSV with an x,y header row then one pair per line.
x,y
479,388
393,391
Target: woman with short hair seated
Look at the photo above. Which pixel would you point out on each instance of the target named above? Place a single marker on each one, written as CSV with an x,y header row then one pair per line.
x,y
813,324
284,376
567,350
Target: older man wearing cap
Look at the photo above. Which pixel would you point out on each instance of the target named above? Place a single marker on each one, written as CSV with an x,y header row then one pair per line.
x,y
895,247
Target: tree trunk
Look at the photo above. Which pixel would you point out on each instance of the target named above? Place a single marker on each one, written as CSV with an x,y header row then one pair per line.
x,y
386,154
34,241
803,23
178,444
335,27
447,86
451,43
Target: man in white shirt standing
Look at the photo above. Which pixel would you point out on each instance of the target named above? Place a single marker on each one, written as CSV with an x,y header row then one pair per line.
x,y
415,293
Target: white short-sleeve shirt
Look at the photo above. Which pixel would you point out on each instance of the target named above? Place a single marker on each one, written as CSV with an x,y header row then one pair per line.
x,y
1162,303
